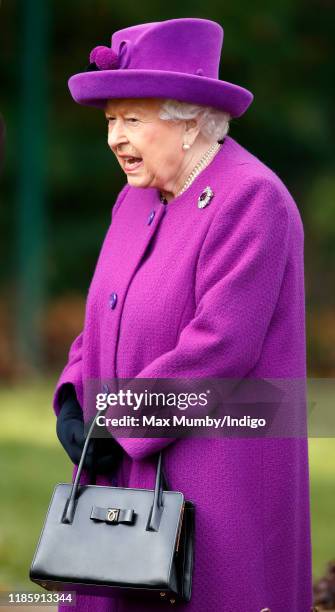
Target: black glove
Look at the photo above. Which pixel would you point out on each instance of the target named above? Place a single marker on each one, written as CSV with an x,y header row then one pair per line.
x,y
107,454
103,454
70,427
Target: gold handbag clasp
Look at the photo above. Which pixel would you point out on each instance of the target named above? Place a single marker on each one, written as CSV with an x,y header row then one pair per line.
x,y
112,515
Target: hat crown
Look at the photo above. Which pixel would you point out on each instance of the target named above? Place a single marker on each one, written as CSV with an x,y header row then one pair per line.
x,y
190,45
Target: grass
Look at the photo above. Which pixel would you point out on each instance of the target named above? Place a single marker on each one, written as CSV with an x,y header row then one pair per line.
x,y
32,462
322,470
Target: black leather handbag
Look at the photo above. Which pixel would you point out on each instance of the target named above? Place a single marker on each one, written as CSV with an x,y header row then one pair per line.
x,y
99,540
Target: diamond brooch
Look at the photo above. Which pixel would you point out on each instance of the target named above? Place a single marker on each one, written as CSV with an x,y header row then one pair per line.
x,y
205,197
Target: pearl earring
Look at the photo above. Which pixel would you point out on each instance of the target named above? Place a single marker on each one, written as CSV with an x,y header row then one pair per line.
x,y
186,146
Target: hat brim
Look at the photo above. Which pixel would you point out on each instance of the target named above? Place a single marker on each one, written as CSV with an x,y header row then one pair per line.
x,y
96,87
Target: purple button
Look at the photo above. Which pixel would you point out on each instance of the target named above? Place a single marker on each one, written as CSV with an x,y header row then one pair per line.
x,y
151,217
113,300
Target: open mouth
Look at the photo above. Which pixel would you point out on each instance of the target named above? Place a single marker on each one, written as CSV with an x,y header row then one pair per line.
x,y
132,163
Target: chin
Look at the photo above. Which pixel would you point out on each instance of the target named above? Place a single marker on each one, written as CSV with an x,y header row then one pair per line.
x,y
137,181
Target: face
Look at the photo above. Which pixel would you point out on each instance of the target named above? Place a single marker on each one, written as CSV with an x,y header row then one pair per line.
x,y
149,149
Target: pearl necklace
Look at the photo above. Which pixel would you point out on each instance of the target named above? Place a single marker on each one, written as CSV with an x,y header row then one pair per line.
x,y
202,163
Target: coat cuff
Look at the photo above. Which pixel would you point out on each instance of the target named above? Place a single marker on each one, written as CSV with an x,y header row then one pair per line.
x,y
70,375
140,448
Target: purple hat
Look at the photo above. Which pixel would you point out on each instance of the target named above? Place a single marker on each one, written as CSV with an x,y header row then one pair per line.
x,y
177,58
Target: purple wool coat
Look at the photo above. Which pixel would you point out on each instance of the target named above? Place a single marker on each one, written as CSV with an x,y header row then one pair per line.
x,y
212,292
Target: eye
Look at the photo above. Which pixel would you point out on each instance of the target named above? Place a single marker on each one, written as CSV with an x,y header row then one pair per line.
x,y
132,119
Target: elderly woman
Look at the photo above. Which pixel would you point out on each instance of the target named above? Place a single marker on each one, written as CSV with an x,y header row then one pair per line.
x,y
200,275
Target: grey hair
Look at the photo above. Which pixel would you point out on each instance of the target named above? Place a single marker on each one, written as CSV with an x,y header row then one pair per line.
x,y
214,124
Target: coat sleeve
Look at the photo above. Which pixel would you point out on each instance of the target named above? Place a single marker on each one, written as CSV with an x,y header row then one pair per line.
x,y
72,372
238,279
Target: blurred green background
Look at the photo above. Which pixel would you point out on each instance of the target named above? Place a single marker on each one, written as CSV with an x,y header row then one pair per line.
x,y
59,183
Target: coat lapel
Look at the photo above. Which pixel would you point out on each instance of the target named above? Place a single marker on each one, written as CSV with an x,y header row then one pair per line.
x,y
133,228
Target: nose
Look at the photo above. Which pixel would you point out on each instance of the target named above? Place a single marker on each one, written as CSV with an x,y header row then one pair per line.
x,y
116,135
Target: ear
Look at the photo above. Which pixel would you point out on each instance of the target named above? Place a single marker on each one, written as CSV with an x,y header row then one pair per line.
x,y
192,129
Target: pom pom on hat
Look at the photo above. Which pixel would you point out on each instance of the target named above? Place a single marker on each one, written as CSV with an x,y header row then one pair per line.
x,y
104,58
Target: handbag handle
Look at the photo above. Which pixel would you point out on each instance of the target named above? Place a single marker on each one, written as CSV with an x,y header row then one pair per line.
x,y
157,505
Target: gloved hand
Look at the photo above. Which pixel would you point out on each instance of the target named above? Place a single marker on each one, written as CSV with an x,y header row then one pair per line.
x,y
106,454
103,454
70,428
